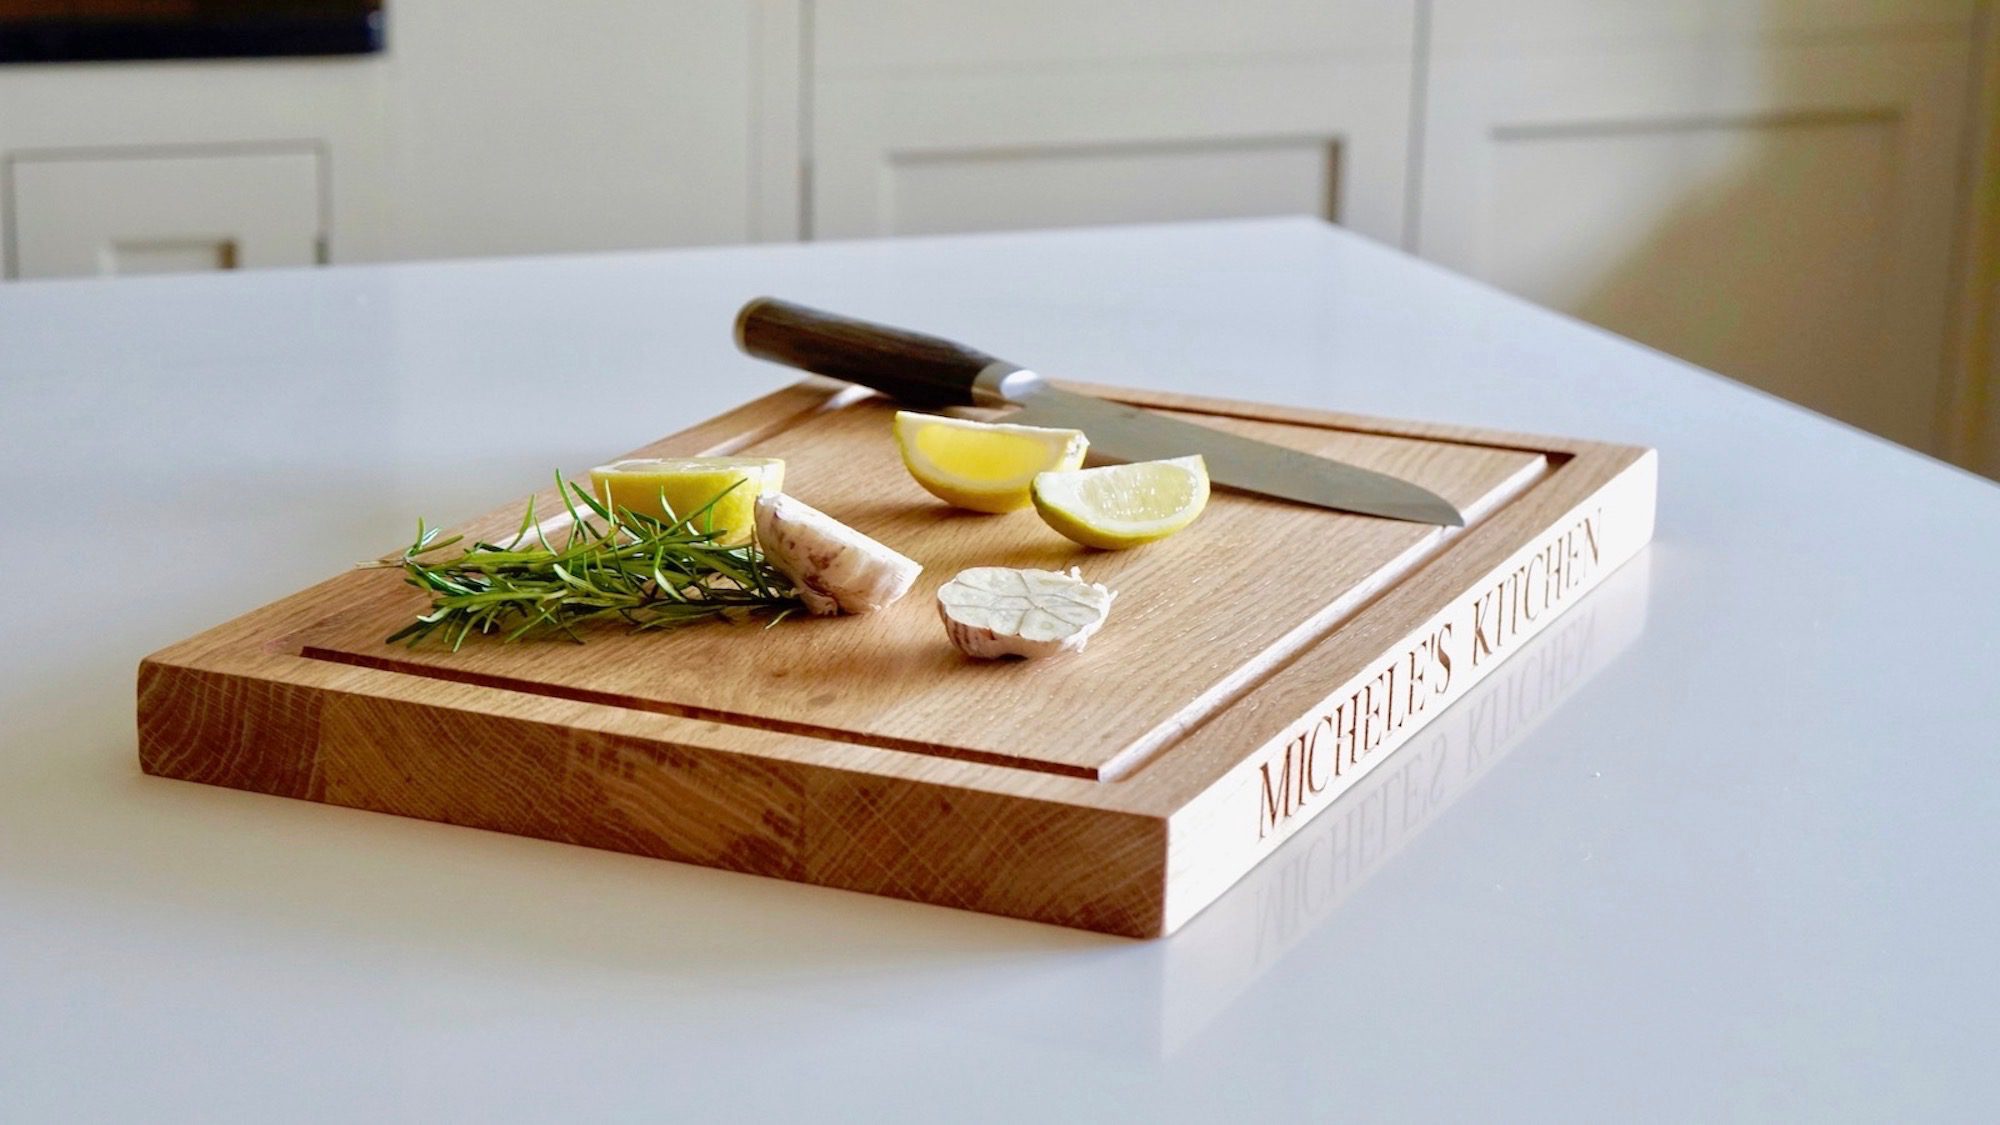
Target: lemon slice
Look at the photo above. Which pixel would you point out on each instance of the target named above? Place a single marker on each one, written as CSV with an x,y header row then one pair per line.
x,y
687,484
984,466
1121,506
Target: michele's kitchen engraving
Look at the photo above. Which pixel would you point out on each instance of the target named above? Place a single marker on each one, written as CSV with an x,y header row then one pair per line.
x,y
1564,564
1336,743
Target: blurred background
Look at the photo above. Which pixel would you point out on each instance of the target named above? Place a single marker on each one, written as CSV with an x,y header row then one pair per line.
x,y
1800,194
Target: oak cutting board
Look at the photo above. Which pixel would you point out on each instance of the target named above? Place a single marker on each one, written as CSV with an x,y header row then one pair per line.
x,y
1253,667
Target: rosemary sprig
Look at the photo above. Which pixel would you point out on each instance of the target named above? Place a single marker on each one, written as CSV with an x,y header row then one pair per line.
x,y
651,573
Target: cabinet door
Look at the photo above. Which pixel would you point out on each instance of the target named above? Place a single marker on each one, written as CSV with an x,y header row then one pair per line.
x,y
532,127
166,212
953,115
1768,194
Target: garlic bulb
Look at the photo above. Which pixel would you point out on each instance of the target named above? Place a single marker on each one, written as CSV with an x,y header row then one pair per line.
x,y
836,568
992,611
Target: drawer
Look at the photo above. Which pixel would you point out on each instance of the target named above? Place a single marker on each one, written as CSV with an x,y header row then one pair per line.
x,y
93,213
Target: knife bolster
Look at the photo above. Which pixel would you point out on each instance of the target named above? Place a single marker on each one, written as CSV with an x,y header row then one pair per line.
x,y
1001,384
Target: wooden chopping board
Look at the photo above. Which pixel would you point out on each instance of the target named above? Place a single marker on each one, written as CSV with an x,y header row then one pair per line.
x,y
1238,686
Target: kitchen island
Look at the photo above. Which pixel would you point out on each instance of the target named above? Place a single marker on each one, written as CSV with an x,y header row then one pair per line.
x,y
1715,844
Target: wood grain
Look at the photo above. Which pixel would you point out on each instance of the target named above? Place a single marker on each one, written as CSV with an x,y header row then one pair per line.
x,y
1117,791
1249,584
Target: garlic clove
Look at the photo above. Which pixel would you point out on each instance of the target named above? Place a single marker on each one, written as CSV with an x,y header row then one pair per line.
x,y
836,568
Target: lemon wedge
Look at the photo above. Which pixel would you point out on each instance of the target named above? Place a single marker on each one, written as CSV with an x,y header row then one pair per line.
x,y
984,466
677,487
1120,506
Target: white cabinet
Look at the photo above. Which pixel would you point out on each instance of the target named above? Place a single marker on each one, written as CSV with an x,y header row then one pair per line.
x,y
164,211
527,127
1778,191
954,115
1770,194
1770,190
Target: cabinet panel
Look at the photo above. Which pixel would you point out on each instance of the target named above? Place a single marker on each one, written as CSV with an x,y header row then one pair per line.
x,y
1219,141
1486,26
79,215
529,127
1782,214
872,37
1758,277
1050,187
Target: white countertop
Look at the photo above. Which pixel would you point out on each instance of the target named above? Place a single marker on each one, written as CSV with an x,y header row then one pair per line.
x,y
1721,844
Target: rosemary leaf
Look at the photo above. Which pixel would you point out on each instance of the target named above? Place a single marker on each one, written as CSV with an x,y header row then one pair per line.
x,y
616,563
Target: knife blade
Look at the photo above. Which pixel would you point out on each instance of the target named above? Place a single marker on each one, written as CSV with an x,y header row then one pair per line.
x,y
1130,433
932,373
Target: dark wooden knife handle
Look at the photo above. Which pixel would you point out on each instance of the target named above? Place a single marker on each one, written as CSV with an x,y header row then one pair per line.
x,y
915,369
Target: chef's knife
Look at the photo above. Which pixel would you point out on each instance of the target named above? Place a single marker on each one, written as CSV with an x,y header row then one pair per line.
x,y
930,373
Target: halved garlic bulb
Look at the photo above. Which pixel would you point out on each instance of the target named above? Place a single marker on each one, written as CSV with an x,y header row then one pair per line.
x,y
992,611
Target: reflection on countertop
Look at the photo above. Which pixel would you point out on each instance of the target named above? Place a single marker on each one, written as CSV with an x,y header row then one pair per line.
x,y
1230,946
